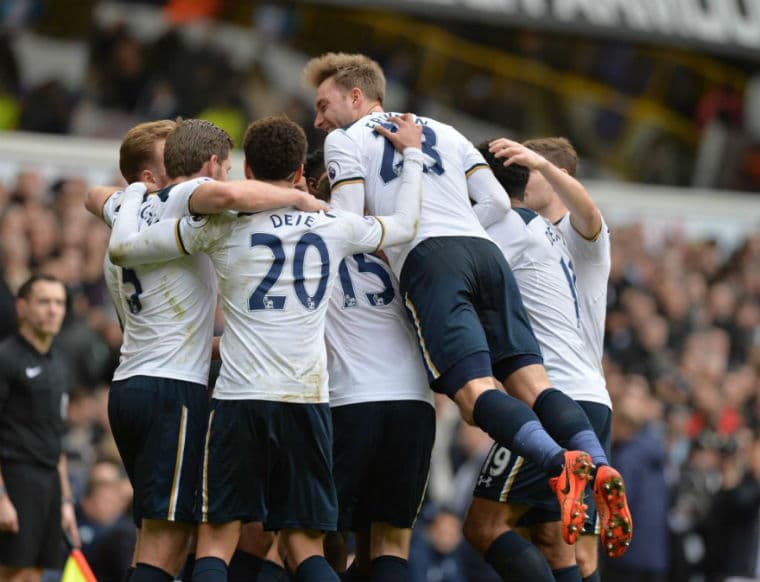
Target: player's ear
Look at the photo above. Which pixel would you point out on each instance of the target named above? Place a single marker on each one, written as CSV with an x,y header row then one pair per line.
x,y
298,174
247,171
356,95
146,176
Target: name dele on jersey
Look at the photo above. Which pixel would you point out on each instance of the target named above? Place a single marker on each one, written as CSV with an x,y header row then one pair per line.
x,y
299,219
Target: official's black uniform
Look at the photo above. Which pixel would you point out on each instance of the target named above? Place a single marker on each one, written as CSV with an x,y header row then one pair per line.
x,y
33,399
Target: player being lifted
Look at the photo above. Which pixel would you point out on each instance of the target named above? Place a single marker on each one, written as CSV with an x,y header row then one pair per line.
x,y
268,446
555,193
508,486
459,291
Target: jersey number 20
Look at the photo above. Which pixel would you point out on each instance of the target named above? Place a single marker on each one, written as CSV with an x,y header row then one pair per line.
x,y
260,298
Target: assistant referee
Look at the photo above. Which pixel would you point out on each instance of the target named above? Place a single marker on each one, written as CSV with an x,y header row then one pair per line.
x,y
35,498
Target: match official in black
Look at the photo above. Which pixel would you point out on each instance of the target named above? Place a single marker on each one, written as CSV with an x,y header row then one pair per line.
x,y
35,498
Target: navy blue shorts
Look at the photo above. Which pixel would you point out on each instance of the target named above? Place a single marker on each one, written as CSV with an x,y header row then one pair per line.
x,y
35,492
382,461
463,301
270,462
509,478
158,425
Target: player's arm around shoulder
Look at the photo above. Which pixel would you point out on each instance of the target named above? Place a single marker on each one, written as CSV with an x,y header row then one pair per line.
x,y
249,196
129,247
402,225
96,199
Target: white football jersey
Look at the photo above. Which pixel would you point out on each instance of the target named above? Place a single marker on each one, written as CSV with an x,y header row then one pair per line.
x,y
276,272
543,269
592,260
167,308
372,351
359,154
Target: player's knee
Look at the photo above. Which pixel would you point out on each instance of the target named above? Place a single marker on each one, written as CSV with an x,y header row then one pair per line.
x,y
587,554
547,537
479,533
468,395
388,540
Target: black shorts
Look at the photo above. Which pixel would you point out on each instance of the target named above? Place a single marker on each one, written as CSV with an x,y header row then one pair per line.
x,y
464,303
510,478
158,425
270,462
382,461
35,491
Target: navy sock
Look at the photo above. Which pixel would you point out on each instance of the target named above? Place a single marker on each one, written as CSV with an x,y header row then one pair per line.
x,y
186,575
315,569
566,421
389,569
512,424
569,574
271,572
147,573
517,560
353,574
210,570
128,574
243,567
594,577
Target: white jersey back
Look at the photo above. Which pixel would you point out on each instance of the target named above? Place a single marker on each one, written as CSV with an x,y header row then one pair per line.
x,y
372,352
543,269
167,308
592,260
358,153
276,272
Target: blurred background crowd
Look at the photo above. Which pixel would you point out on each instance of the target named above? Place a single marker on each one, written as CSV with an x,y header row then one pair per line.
x,y
683,327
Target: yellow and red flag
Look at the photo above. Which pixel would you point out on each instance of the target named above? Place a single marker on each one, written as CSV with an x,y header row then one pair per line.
x,y
77,569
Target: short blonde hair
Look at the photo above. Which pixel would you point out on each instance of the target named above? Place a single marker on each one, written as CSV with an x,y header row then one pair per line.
x,y
348,71
558,150
138,149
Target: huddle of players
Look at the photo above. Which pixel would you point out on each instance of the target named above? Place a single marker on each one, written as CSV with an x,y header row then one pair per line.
x,y
263,450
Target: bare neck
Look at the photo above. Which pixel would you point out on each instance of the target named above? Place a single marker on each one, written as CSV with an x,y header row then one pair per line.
x,y
40,342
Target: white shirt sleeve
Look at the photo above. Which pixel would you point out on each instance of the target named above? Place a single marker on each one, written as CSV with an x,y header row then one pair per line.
x,y
345,172
157,243
593,251
491,201
401,226
112,204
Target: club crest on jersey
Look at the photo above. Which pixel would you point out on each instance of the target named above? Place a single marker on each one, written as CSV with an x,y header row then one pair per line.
x,y
148,214
332,170
553,236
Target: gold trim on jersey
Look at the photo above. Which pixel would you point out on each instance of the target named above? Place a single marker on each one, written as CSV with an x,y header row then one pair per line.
x,y
178,237
475,168
357,180
204,484
519,462
584,237
178,465
382,235
425,354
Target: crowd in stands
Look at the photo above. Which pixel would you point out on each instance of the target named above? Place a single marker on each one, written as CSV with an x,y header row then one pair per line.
x,y
682,365
715,143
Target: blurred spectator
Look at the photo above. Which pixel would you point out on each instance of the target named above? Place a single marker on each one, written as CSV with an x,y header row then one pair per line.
x,y
732,527
640,455
434,554
105,528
